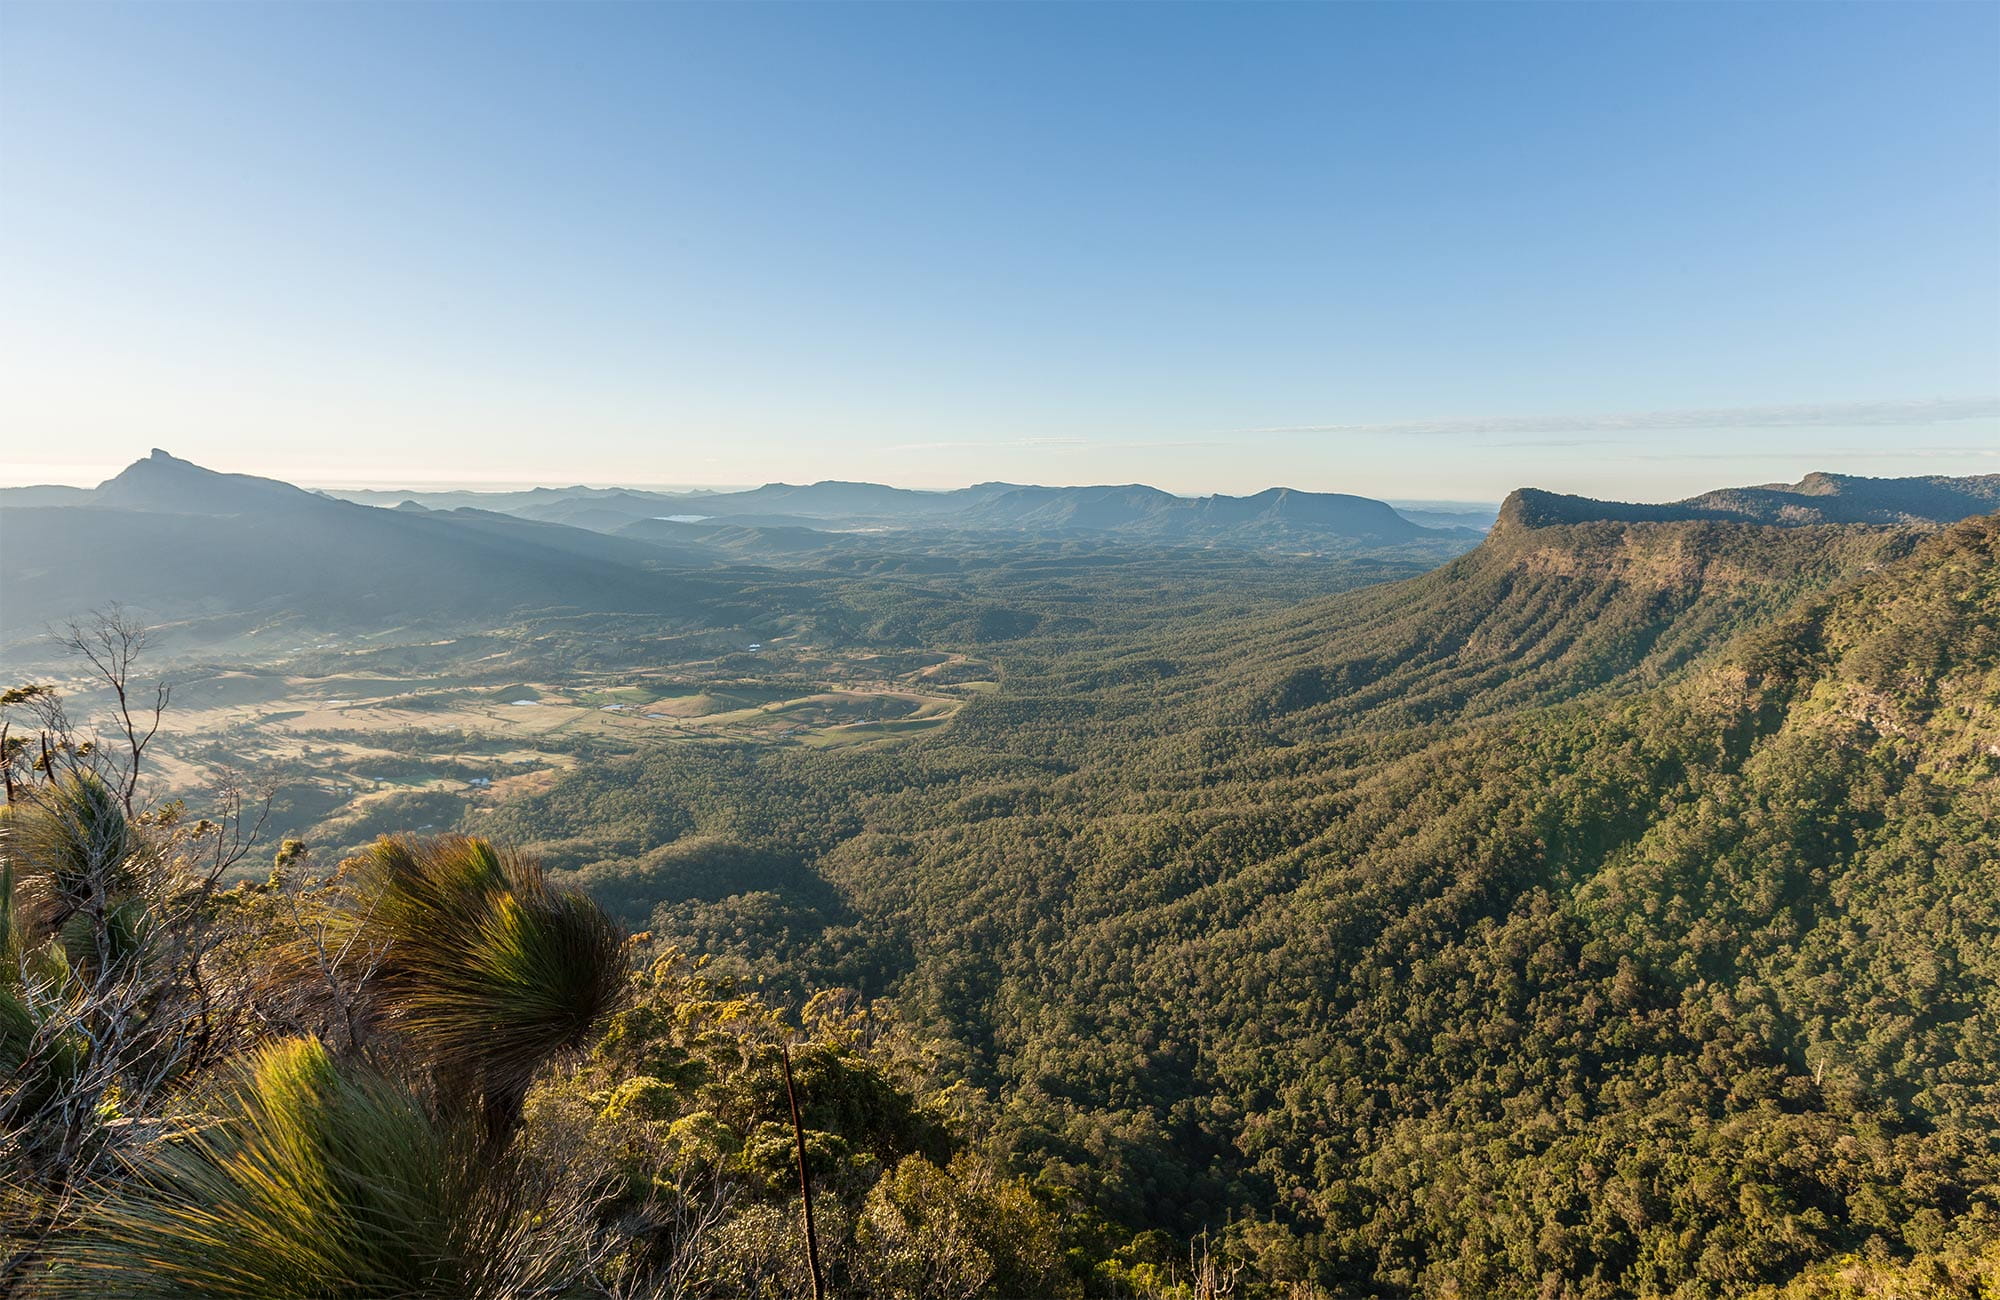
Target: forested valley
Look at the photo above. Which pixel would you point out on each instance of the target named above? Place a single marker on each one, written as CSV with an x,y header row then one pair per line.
x,y
1612,910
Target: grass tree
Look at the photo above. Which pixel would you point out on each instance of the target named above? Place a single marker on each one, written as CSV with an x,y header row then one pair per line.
x,y
131,1164
364,1174
326,1179
487,971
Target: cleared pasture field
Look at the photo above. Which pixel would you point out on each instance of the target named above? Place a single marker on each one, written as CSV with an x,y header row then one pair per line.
x,y
329,721
347,755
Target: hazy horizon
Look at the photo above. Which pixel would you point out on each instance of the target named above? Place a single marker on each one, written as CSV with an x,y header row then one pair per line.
x,y
90,476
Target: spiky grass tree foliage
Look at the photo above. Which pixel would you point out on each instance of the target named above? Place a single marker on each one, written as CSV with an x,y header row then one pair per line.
x,y
489,971
71,847
69,859
41,1056
323,1182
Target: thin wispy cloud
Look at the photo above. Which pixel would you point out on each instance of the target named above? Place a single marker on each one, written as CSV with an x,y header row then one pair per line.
x,y
1148,444
1036,444
1850,454
1809,415
1058,444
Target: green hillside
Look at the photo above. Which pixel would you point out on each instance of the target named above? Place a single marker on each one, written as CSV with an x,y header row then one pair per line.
x,y
1610,912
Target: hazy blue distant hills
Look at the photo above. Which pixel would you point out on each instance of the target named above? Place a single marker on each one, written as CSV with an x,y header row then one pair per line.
x,y
186,545
384,571
510,501
573,540
1333,512
830,501
1476,515
179,542
1276,514
44,494
833,499
1816,499
1279,516
604,512
1074,507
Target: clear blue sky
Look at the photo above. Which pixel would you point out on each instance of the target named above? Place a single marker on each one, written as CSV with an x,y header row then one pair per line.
x,y
1419,250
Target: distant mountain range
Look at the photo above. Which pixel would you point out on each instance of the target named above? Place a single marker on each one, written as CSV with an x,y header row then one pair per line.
x,y
1276,517
181,542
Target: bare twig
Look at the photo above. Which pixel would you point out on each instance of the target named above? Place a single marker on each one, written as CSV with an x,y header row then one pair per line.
x,y
109,640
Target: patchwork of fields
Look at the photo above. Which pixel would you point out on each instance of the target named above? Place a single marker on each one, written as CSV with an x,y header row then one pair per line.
x,y
344,751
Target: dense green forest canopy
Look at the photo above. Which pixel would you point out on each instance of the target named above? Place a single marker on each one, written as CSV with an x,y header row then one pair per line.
x,y
1611,911
1608,911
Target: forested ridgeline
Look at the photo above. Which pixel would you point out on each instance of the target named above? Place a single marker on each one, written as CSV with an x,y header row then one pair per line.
x,y
1608,912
